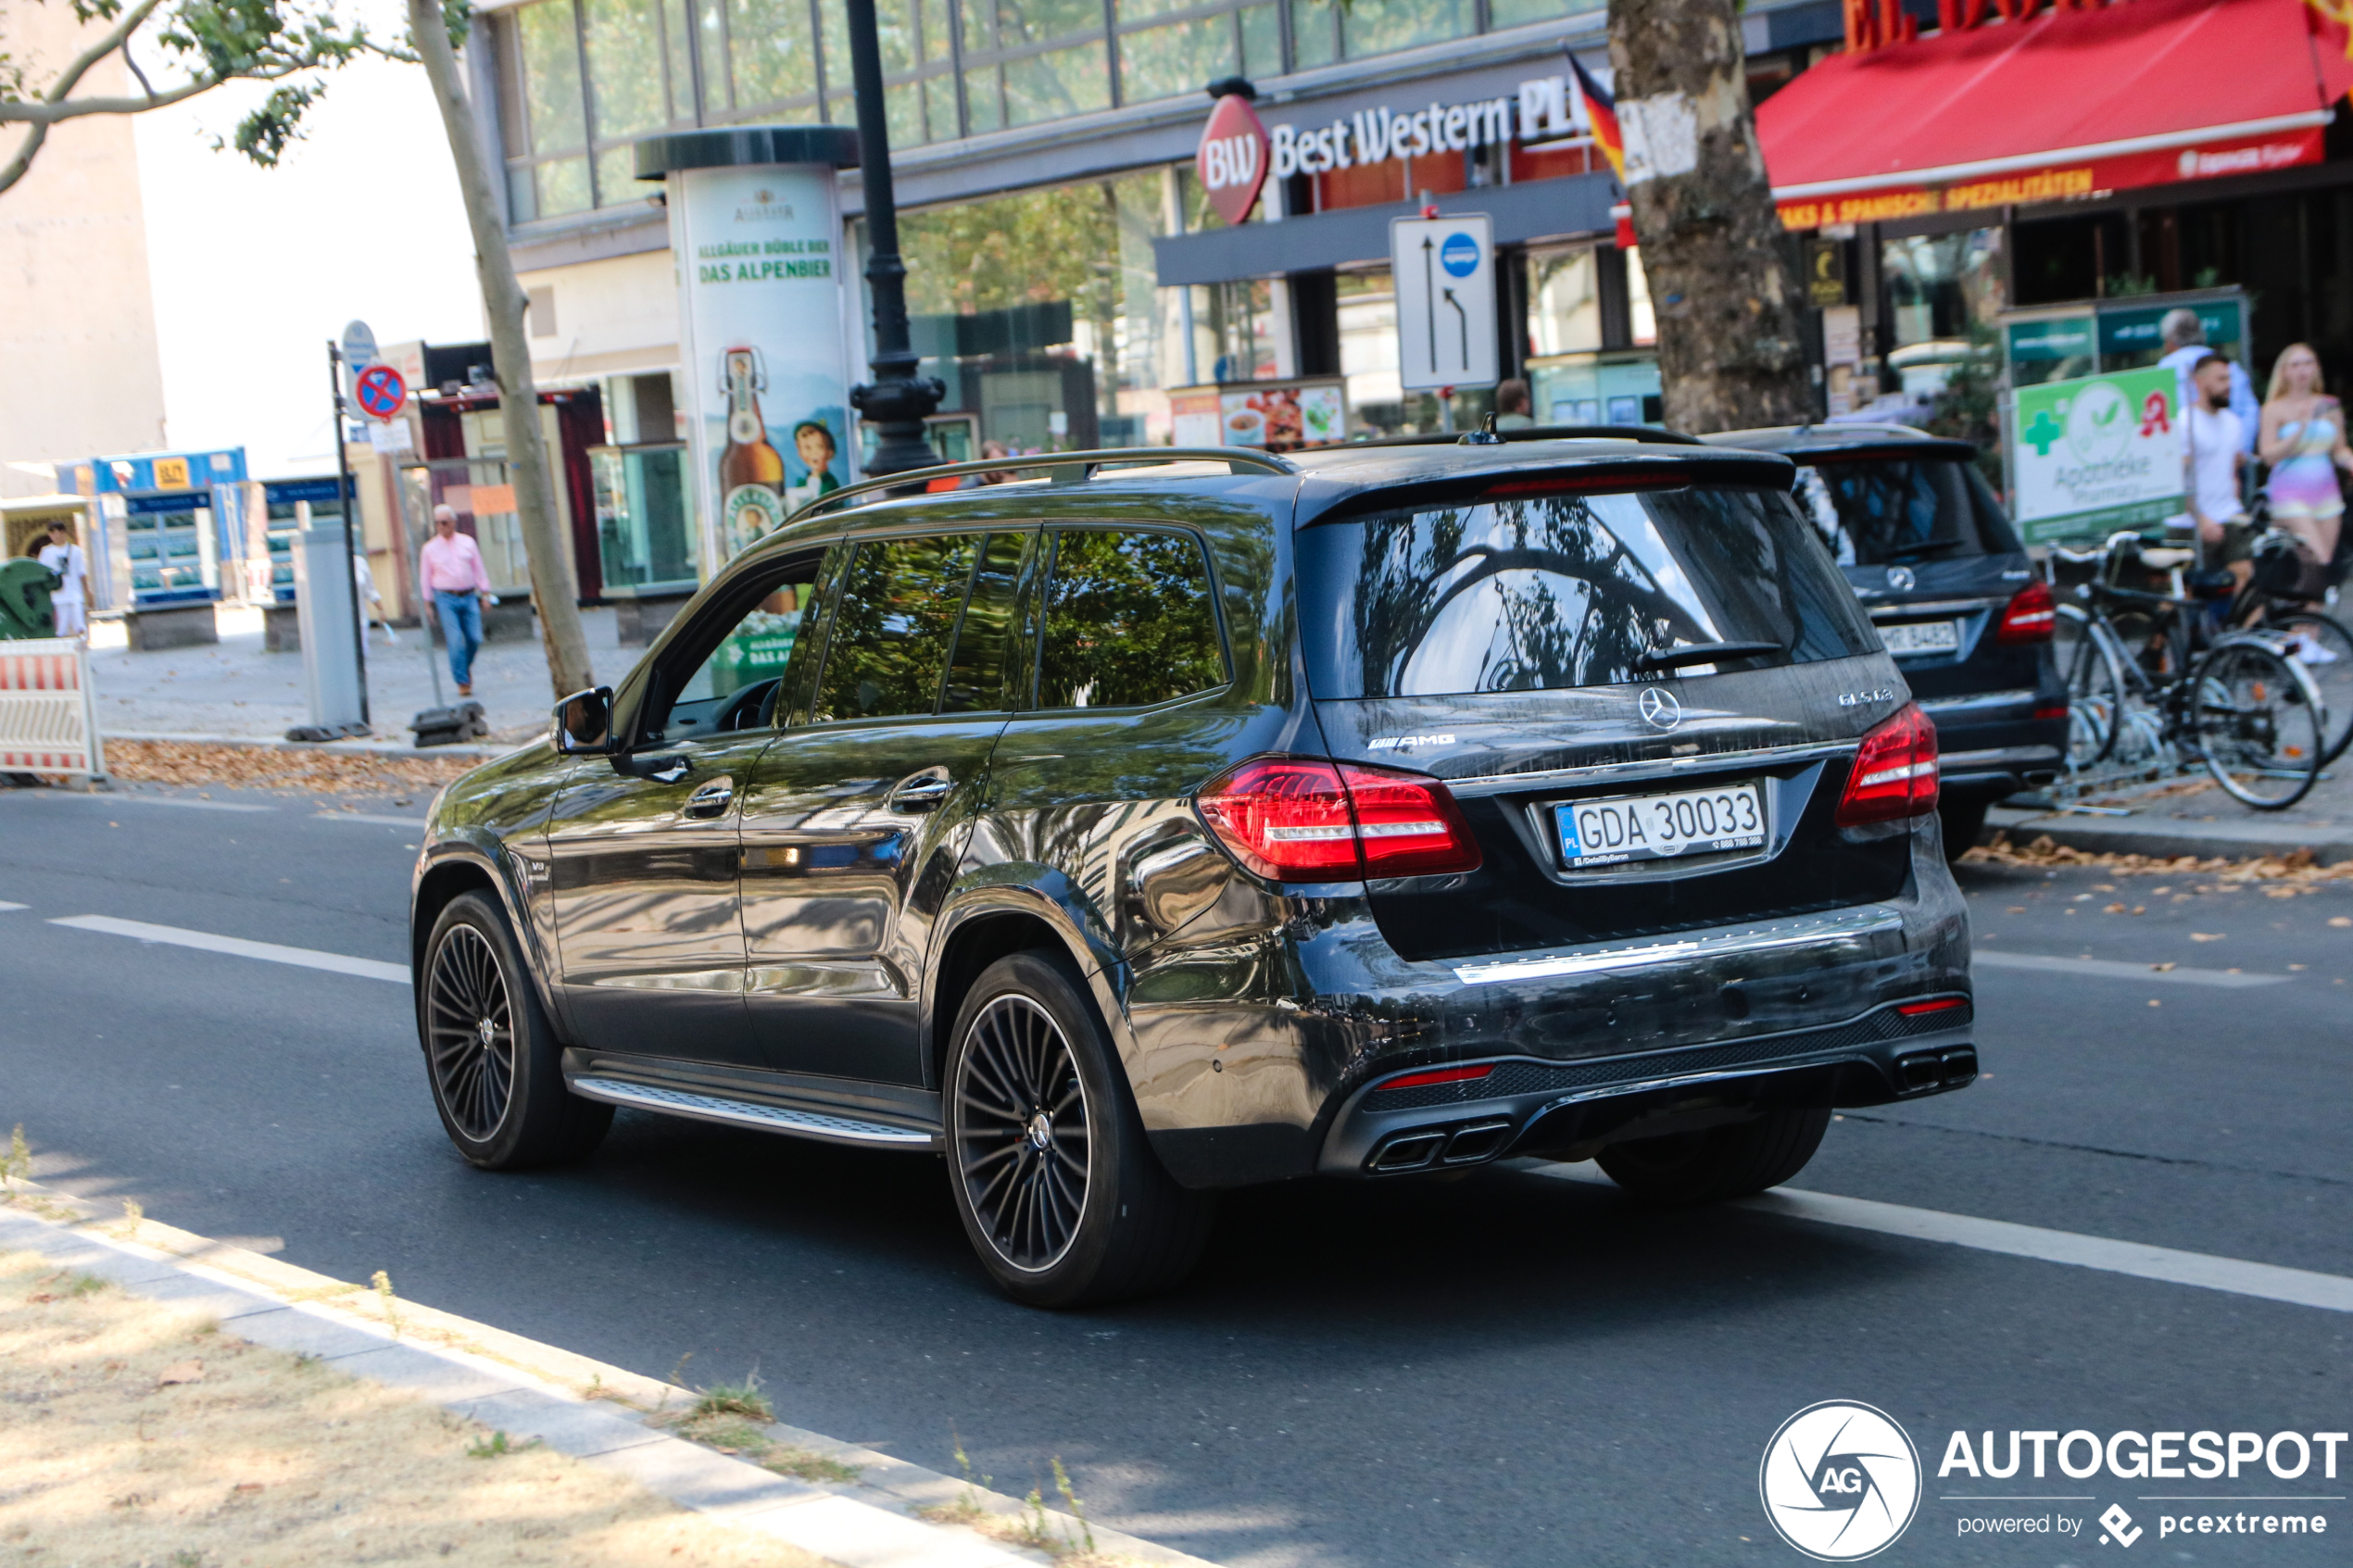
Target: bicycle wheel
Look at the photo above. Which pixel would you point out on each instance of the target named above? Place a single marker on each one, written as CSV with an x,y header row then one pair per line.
x,y
2257,721
2326,649
2094,687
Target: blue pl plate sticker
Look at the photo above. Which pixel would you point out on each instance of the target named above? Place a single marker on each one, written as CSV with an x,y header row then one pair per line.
x,y
1459,254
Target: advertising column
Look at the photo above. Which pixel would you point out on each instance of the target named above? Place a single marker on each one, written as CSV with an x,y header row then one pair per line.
x,y
764,319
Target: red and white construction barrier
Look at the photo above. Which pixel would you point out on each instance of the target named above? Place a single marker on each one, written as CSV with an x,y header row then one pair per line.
x,y
48,717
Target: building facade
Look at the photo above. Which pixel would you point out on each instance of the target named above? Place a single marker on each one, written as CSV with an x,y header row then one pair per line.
x,y
1067,275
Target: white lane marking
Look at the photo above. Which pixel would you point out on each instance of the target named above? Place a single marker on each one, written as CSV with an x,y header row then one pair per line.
x,y
2300,1288
302,958
112,799
369,817
5,904
2110,968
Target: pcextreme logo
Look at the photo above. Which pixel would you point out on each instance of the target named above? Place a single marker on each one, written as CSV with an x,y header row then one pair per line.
x,y
1840,1481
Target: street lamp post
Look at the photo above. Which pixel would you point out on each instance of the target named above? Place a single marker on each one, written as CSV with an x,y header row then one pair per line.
x,y
897,400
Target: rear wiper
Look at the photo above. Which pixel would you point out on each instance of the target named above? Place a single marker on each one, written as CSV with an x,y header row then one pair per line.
x,y
1925,548
1702,653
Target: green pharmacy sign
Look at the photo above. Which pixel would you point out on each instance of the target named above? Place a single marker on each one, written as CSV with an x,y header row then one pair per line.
x,y
2098,454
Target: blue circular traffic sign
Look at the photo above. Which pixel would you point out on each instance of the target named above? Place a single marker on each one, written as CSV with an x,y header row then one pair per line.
x,y
1459,255
380,390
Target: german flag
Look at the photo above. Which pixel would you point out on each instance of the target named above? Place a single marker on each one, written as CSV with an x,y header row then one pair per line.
x,y
1601,114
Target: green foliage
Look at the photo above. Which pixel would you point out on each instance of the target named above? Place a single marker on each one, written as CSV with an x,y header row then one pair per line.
x,y
728,1398
17,1165
1966,409
200,45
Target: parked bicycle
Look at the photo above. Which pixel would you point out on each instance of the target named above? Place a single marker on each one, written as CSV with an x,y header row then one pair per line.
x,y
2283,596
2152,666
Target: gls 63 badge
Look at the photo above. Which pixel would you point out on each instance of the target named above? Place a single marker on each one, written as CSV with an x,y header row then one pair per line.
x,y
1840,1481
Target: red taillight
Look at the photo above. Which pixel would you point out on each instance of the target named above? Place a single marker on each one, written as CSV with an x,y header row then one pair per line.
x,y
1436,1075
2028,617
1301,820
1942,1004
1894,772
2055,710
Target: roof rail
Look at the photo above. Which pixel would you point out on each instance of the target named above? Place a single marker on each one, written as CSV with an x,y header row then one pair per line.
x,y
1235,460
1650,435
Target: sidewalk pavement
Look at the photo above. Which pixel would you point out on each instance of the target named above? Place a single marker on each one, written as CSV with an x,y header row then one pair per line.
x,y
891,1515
233,690
2191,815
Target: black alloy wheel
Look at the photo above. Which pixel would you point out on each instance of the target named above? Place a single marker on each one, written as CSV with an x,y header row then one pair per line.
x,y
491,1055
1057,1187
1022,1144
470,1033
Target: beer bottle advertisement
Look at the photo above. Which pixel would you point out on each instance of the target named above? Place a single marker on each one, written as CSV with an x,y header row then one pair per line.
x,y
765,304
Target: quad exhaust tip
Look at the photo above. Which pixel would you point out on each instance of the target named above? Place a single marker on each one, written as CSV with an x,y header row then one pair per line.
x,y
1934,1069
1427,1146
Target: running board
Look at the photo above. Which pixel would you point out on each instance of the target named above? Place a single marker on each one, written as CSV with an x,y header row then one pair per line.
x,y
745,1113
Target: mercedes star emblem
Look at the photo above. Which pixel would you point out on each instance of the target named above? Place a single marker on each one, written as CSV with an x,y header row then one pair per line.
x,y
1900,578
1660,708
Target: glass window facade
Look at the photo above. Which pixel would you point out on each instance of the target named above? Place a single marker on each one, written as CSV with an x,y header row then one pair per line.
x,y
584,79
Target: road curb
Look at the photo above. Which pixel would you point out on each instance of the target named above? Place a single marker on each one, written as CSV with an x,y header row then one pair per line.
x,y
2169,839
343,748
600,1413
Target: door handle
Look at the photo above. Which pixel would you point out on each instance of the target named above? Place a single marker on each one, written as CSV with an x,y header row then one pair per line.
x,y
923,793
713,799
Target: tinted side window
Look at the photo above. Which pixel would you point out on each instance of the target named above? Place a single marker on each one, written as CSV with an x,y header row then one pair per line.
x,y
1542,594
1129,620
736,684
977,675
1880,510
892,626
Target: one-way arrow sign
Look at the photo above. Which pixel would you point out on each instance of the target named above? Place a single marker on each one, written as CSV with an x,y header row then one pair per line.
x,y
1444,270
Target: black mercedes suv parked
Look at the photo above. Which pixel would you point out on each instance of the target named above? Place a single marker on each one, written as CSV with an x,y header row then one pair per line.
x,y
1953,592
1192,821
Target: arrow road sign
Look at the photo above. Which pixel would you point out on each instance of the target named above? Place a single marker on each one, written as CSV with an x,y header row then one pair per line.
x,y
1444,272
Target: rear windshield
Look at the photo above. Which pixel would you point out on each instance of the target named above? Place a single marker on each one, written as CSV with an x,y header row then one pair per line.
x,y
1556,592
1878,510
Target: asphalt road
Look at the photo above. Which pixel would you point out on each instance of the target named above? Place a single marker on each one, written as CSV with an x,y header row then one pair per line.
x,y
1510,1369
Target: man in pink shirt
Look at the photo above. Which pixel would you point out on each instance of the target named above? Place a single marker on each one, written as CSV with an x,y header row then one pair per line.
x,y
450,569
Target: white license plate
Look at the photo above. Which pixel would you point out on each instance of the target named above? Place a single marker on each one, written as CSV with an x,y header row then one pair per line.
x,y
1658,827
1921,636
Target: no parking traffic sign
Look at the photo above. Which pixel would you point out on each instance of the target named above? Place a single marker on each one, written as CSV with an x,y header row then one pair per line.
x,y
380,390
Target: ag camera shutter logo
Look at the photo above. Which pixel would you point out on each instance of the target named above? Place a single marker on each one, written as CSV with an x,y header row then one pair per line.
x,y
1840,1481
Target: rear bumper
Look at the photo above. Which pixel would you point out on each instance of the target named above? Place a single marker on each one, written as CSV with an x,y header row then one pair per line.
x,y
1991,744
1522,1106
1579,1043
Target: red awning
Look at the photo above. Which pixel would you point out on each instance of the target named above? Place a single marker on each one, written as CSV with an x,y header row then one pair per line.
x,y
2066,104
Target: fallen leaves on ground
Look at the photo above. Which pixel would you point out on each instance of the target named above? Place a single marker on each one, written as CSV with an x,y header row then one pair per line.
x,y
2298,871
192,763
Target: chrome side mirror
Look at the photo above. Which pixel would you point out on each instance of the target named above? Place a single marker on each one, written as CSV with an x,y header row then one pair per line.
x,y
584,723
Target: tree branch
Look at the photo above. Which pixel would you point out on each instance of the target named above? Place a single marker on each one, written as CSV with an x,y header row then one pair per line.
x,y
82,64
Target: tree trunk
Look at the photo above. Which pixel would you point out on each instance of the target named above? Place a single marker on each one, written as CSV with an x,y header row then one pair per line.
x,y
554,585
1729,345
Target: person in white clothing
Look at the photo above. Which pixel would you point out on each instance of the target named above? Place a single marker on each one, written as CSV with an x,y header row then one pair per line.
x,y
2215,459
2185,338
372,601
63,557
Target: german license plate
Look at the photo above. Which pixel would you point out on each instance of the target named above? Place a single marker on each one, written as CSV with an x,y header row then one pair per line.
x,y
1921,636
1659,827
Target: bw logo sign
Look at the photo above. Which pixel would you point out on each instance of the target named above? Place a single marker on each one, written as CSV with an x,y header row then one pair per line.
x,y
1840,1481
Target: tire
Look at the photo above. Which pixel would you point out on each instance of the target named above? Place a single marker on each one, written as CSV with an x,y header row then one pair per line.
x,y
2334,677
2256,720
1963,821
490,1056
1059,1192
1683,1169
2094,687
